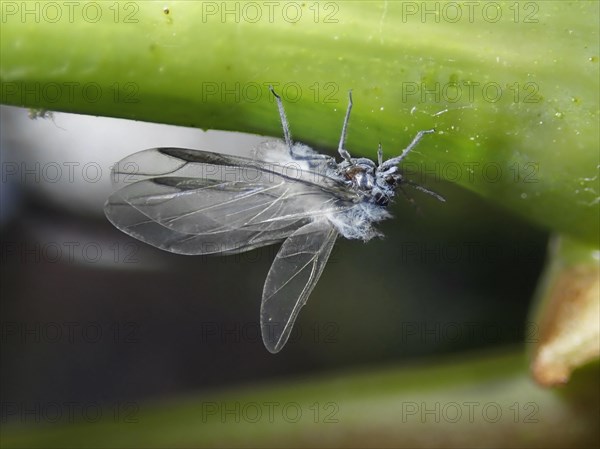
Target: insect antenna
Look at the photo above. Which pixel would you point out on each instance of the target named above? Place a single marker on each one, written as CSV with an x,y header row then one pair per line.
x,y
414,143
424,190
284,123
344,153
396,160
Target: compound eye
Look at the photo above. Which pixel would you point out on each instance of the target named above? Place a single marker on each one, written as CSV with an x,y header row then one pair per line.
x,y
381,199
390,179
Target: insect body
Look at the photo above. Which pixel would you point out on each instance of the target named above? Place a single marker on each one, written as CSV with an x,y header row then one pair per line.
x,y
198,202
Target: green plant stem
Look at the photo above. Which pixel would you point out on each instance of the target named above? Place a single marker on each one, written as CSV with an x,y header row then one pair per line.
x,y
514,100
488,402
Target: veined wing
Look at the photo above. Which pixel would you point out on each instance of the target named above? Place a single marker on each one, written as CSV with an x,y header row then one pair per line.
x,y
201,216
198,164
292,277
133,222
201,206
206,206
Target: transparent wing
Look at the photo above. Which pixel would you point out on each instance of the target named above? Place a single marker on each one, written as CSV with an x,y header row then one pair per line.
x,y
196,216
215,207
292,277
132,221
186,163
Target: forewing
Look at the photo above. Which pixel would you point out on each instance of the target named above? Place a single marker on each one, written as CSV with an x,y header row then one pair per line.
x,y
202,216
133,222
197,202
198,164
292,277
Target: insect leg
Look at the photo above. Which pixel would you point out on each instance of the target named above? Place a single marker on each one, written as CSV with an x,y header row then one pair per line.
x,y
396,160
425,190
341,149
287,135
284,123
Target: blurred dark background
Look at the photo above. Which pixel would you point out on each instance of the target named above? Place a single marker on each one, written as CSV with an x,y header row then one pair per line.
x,y
90,314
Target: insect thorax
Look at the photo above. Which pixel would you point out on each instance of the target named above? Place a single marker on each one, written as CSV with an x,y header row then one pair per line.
x,y
365,177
